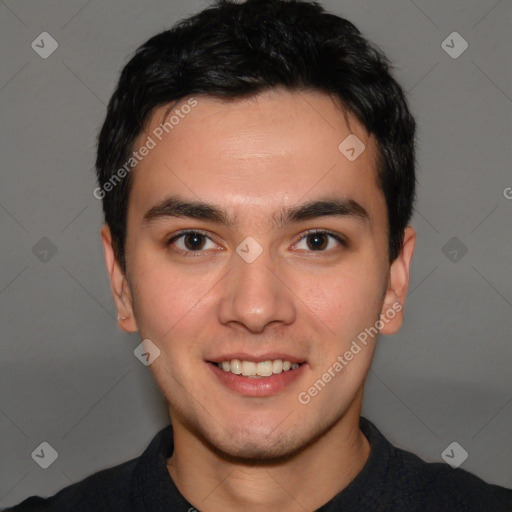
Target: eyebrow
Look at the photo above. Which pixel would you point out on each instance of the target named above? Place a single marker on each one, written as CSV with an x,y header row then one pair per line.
x,y
175,206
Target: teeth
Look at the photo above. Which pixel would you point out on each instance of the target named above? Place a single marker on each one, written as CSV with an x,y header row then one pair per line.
x,y
236,366
264,369
277,366
261,369
248,368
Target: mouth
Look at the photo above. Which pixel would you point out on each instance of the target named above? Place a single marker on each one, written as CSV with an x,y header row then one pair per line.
x,y
257,377
256,369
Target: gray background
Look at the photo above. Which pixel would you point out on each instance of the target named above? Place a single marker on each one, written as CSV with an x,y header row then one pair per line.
x,y
68,375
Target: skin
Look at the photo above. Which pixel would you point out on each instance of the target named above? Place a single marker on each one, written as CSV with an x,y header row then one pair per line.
x,y
253,157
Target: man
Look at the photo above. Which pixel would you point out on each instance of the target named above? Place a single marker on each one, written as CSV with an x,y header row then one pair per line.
x,y
256,167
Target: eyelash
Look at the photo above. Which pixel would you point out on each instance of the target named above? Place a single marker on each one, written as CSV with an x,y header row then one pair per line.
x,y
197,253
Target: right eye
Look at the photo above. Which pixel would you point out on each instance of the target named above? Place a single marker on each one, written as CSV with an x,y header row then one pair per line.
x,y
190,242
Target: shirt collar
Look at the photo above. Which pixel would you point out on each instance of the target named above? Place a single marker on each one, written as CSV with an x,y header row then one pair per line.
x,y
154,490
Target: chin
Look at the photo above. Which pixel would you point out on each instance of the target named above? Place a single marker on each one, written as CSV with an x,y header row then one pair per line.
x,y
247,447
261,443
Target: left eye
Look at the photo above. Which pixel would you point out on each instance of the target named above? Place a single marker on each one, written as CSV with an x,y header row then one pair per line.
x,y
320,241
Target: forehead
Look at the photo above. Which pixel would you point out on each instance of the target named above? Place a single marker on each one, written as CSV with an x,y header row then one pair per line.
x,y
255,154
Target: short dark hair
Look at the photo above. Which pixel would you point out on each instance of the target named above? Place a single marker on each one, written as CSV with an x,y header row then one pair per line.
x,y
236,50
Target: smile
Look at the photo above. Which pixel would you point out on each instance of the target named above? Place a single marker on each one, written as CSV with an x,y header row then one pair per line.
x,y
257,370
266,377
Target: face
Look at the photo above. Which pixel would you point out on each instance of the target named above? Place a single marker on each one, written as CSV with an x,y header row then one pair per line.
x,y
252,237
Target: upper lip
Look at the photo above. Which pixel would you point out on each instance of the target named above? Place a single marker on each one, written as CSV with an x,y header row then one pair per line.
x,y
257,358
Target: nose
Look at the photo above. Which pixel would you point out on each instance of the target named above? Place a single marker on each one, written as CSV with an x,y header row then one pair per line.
x,y
255,294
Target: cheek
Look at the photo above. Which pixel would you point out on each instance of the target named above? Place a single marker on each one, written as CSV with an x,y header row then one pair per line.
x,y
347,300
165,301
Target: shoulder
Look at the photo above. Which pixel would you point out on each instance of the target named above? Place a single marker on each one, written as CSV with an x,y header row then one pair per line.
x,y
117,489
438,486
105,490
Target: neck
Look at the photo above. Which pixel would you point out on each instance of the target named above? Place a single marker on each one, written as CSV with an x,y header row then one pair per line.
x,y
212,483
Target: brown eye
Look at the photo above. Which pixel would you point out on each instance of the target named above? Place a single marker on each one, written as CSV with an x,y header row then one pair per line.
x,y
317,241
194,241
190,242
320,241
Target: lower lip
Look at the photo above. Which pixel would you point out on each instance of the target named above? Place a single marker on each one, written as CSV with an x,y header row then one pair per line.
x,y
263,386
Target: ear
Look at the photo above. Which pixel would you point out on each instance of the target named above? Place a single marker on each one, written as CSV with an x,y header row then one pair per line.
x,y
398,283
118,284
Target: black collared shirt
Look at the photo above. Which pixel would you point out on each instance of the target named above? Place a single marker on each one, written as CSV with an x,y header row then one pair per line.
x,y
392,480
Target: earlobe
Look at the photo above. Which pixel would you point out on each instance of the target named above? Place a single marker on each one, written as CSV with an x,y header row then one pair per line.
x,y
398,284
118,284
